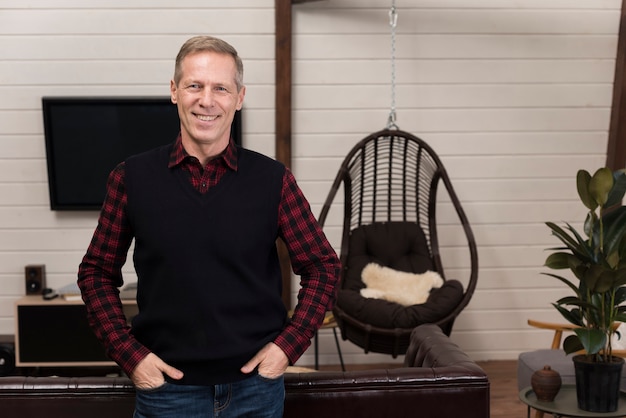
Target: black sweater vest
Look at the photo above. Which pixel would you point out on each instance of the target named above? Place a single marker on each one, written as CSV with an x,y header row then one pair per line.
x,y
209,290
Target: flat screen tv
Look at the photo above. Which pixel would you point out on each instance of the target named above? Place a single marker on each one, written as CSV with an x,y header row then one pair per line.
x,y
86,137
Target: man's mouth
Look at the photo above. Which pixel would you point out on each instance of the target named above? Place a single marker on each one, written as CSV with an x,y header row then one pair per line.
x,y
205,118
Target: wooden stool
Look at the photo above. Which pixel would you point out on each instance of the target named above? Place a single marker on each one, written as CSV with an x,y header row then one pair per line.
x,y
329,322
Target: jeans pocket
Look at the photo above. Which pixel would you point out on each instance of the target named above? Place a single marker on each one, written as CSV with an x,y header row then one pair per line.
x,y
278,378
152,390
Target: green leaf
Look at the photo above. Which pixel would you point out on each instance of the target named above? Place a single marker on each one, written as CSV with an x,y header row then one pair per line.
x,y
620,279
561,234
591,222
622,252
564,280
619,189
598,279
620,317
579,271
615,229
620,295
576,245
591,276
612,259
593,340
572,344
582,184
582,250
573,316
572,301
600,185
558,261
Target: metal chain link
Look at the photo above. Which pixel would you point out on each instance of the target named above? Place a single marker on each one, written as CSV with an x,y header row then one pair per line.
x,y
393,23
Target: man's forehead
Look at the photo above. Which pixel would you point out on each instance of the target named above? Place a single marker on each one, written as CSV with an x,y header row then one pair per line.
x,y
200,64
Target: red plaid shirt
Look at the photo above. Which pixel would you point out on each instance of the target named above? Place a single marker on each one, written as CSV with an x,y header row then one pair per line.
x,y
100,276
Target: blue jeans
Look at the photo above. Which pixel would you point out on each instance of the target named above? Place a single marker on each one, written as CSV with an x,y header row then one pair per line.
x,y
254,397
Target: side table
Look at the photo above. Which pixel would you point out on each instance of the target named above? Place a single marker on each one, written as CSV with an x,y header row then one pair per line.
x,y
566,405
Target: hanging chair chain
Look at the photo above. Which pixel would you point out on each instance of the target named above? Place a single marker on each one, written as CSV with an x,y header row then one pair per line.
x,y
393,22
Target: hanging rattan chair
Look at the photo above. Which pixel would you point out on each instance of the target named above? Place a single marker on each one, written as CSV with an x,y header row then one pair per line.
x,y
391,181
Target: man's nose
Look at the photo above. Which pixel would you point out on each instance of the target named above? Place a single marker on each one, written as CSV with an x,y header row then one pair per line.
x,y
206,98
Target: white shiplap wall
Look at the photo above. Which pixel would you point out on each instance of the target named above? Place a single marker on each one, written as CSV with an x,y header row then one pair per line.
x,y
514,95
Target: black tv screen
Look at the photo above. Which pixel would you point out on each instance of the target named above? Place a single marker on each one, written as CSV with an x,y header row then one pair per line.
x,y
86,137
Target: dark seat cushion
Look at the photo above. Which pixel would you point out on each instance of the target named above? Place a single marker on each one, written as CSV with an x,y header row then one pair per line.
x,y
397,245
400,246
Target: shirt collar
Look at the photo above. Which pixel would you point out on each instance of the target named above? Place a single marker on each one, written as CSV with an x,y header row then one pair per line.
x,y
179,154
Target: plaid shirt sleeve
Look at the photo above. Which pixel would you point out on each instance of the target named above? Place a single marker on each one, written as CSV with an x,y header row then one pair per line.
x,y
314,260
100,275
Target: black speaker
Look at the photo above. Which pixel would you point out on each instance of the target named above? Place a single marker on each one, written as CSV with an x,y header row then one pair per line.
x,y
35,277
7,359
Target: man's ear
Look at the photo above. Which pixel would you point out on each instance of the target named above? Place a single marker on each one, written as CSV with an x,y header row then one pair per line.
x,y
240,95
173,90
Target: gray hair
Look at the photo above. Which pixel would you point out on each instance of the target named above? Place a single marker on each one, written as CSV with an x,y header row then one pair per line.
x,y
212,44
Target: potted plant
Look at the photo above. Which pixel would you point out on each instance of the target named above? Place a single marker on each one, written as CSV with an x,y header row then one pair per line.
x,y
597,260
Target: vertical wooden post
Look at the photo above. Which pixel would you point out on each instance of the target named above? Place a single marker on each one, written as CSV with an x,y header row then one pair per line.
x,y
283,116
616,149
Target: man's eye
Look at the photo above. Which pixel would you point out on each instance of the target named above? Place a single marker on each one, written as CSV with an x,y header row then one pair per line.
x,y
194,86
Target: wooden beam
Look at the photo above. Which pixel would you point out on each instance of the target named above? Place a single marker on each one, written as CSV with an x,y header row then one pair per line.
x,y
283,116
616,148
283,81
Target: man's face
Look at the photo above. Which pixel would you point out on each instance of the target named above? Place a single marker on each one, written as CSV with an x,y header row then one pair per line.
x,y
207,99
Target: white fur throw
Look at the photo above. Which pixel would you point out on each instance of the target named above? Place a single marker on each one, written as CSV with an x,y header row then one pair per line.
x,y
398,286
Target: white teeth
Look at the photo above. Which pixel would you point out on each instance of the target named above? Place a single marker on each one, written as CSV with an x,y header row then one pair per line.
x,y
206,118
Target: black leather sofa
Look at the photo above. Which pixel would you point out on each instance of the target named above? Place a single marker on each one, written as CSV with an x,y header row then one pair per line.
x,y
438,380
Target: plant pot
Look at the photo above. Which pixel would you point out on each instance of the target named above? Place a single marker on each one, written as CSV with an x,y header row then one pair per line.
x,y
597,384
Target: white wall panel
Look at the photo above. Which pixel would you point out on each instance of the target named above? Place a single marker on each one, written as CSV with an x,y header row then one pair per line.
x,y
455,120
25,194
122,46
467,21
476,4
139,4
504,167
33,217
467,143
146,21
429,46
448,70
455,96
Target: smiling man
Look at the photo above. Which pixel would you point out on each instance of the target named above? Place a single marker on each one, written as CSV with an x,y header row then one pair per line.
x,y
212,336
208,89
